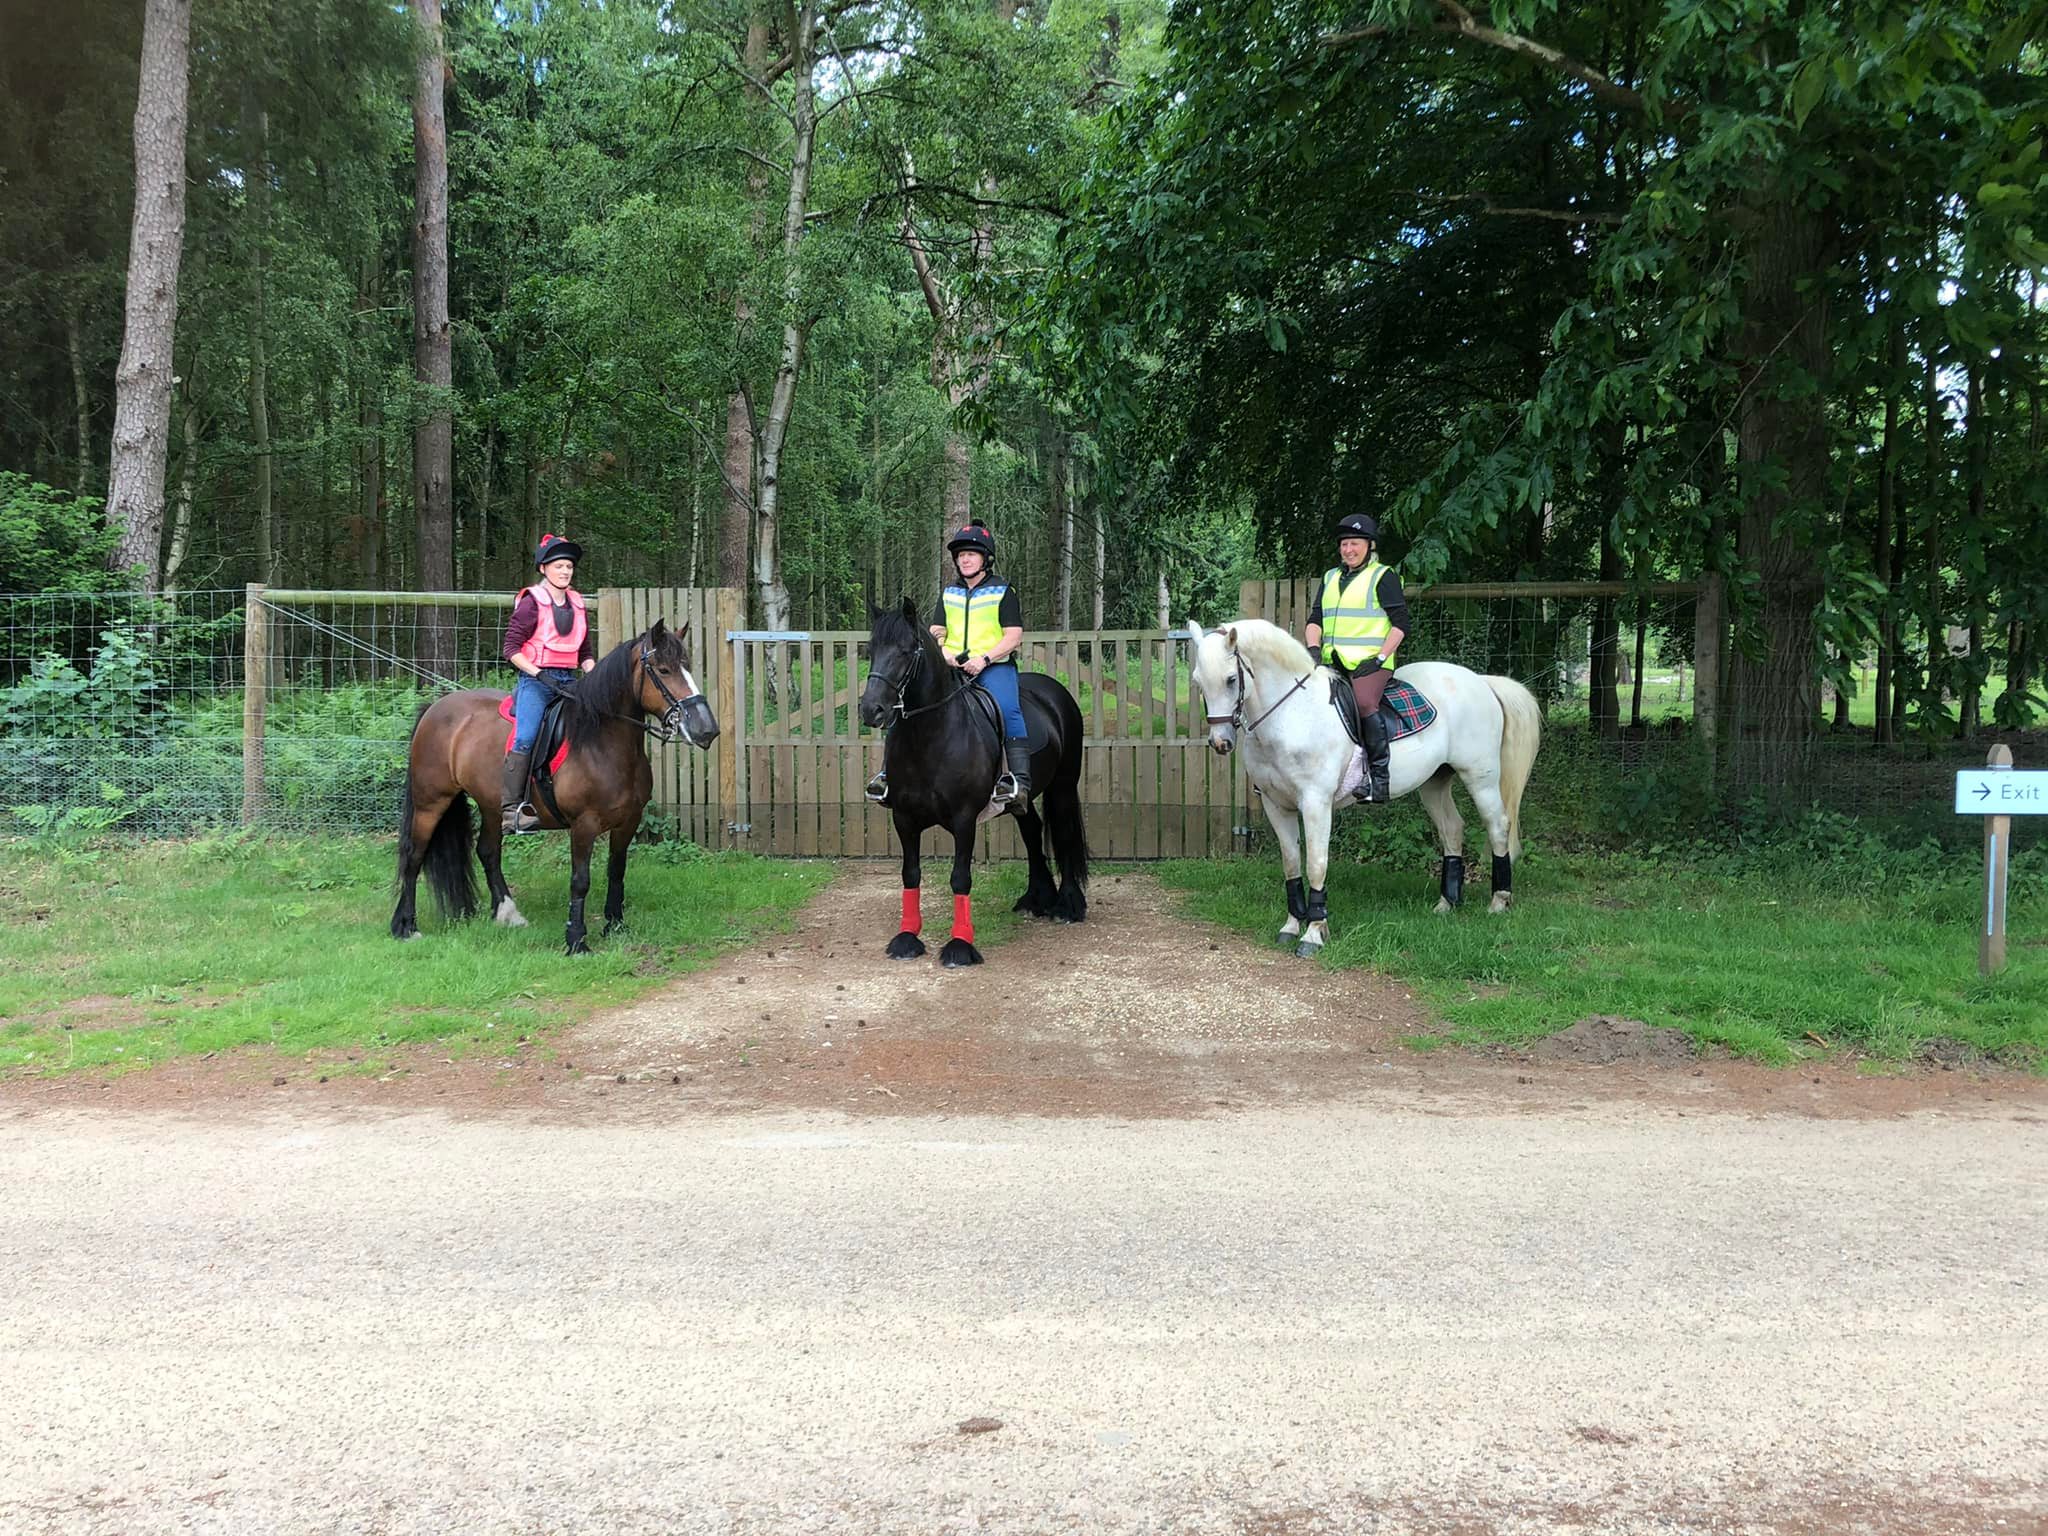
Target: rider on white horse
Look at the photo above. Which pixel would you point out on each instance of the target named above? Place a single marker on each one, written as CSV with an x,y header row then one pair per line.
x,y
1359,619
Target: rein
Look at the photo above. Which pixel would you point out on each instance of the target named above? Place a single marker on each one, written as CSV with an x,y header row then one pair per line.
x,y
663,732
1236,716
903,689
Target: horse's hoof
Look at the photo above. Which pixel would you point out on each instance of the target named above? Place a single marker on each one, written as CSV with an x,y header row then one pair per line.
x,y
1307,951
1444,908
959,952
905,946
407,936
1502,900
508,915
578,946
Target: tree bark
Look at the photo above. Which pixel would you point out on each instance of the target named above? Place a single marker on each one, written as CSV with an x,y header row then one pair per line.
x,y
1784,428
1934,424
1881,542
737,468
1976,471
142,384
75,345
256,189
1101,563
1062,531
188,473
433,443
769,588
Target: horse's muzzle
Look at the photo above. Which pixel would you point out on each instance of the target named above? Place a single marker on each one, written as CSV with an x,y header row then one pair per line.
x,y
693,719
874,713
1220,742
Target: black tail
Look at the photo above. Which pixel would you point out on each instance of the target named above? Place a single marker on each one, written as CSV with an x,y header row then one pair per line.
x,y
1063,821
445,862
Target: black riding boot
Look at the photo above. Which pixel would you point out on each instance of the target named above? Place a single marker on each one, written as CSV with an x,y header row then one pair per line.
x,y
1373,789
518,818
1014,783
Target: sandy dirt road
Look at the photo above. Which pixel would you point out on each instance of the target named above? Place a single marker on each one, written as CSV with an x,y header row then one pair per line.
x,y
1363,1292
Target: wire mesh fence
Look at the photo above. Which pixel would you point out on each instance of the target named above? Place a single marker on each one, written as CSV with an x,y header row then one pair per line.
x,y
119,711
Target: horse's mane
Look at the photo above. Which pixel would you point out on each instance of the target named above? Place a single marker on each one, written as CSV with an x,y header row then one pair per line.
x,y
892,627
607,688
1262,640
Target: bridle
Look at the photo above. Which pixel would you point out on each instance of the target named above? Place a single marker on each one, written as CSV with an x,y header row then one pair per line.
x,y
1236,717
899,710
671,718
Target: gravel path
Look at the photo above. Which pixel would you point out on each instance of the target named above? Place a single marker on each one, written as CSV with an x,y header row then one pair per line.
x,y
1344,1317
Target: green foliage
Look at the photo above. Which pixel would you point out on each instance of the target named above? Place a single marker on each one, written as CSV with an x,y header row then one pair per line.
x,y
51,540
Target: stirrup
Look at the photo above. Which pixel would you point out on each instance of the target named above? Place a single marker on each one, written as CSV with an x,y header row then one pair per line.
x,y
878,788
524,819
1005,790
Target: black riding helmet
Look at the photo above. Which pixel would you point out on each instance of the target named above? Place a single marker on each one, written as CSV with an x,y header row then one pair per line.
x,y
1357,525
974,536
554,547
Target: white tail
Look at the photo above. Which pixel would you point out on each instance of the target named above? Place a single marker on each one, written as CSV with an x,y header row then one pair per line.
x,y
1518,743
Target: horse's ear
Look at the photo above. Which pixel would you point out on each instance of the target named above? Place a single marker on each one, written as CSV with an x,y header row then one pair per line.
x,y
1194,632
1230,637
660,629
910,610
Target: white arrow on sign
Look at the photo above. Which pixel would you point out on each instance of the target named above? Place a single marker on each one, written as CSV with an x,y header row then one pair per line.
x,y
2001,792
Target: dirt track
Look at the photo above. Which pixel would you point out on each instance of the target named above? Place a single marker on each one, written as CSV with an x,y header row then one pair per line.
x,y
1213,1252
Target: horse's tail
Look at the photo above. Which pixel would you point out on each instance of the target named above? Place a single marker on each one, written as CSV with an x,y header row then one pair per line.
x,y
1518,743
446,862
1063,818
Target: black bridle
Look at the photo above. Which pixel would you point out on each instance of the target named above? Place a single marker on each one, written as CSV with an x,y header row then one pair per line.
x,y
671,726
1236,717
902,712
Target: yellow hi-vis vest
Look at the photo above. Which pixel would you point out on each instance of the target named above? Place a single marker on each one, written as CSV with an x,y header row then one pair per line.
x,y
974,618
1355,626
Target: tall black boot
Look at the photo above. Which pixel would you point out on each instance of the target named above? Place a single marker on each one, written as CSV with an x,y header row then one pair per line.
x,y
517,817
1014,783
1374,789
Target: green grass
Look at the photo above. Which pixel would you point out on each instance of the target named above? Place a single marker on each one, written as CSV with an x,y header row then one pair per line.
x,y
159,950
1876,961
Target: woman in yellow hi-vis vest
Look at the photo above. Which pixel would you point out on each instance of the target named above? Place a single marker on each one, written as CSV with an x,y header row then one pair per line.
x,y
1358,620
979,622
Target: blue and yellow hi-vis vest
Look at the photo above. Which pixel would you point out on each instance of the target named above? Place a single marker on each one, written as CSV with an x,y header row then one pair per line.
x,y
974,618
1355,626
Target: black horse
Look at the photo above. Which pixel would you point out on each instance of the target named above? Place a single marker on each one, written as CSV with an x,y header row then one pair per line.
x,y
943,752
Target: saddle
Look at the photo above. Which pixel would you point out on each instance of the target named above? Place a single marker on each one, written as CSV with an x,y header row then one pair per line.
x,y
1403,707
550,750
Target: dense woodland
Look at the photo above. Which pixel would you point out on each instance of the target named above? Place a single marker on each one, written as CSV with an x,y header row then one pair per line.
x,y
766,295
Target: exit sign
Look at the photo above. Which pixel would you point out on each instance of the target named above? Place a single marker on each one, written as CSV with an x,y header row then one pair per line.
x,y
2001,792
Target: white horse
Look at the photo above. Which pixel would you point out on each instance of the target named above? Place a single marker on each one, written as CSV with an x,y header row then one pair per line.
x,y
1259,681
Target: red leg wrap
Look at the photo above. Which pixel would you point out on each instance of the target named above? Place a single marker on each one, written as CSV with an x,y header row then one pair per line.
x,y
913,918
963,918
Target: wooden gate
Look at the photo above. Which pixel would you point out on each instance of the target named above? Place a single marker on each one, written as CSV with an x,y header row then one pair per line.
x,y
1150,788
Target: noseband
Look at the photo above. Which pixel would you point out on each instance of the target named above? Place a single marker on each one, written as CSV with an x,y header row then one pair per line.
x,y
672,717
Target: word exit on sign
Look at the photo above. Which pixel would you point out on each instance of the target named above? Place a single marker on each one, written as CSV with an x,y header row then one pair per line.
x,y
1990,792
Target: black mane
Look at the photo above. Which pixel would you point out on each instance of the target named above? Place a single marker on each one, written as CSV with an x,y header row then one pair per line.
x,y
607,688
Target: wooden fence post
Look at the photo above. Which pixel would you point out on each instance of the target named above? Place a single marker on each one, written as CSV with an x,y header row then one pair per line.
x,y
255,697
1997,872
732,734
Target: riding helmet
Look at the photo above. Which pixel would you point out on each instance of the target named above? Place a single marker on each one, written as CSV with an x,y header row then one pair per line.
x,y
1357,525
554,547
974,536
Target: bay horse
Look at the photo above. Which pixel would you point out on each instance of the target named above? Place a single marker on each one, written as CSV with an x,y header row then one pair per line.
x,y
458,755
1258,679
942,754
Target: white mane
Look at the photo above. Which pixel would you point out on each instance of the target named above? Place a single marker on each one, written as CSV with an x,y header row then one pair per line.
x,y
1261,641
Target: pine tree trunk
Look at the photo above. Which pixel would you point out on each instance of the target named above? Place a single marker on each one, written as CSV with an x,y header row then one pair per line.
x,y
188,473
1101,563
75,344
142,384
1062,532
1603,704
737,514
256,187
1785,429
1881,541
433,447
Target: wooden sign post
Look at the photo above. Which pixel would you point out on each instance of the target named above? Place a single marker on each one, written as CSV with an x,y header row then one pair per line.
x,y
1998,794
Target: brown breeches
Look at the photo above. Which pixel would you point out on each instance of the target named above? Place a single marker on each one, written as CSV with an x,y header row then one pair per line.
x,y
1368,688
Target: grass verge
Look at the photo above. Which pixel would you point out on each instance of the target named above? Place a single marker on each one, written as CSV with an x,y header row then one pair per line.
x,y
1738,953
125,956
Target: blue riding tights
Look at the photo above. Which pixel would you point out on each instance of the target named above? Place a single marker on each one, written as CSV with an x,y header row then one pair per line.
x,y
530,700
1001,682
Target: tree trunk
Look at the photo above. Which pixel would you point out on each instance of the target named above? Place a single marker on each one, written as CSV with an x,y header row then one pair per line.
x,y
1101,563
1934,425
142,384
1062,532
1976,470
739,462
188,472
769,588
433,442
1881,541
1783,427
256,188
75,345
1603,704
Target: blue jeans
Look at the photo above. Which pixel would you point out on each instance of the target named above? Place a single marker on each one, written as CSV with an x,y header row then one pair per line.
x,y
1001,682
530,699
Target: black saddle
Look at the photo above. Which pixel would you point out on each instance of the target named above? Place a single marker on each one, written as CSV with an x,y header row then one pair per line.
x,y
1037,724
547,742
1404,709
1346,704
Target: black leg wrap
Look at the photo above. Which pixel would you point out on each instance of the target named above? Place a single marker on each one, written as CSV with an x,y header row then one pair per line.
x,y
1318,906
1503,872
1454,879
1297,903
